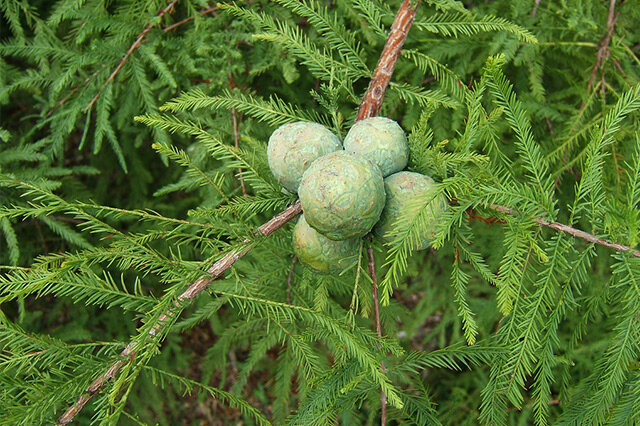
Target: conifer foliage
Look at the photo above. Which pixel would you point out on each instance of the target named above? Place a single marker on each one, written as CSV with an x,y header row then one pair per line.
x,y
134,287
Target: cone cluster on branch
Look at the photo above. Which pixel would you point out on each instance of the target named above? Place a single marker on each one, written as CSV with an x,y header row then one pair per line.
x,y
347,189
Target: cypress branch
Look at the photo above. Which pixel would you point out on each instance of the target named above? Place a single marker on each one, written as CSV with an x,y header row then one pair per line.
x,y
370,106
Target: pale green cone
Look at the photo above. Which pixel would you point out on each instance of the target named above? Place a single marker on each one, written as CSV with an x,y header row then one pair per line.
x,y
342,195
401,189
381,141
319,252
294,146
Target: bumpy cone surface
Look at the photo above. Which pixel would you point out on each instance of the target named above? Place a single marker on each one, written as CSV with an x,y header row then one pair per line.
x,y
319,252
381,141
294,146
401,188
342,195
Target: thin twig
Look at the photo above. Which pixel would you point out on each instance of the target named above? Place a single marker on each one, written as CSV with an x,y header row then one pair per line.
x,y
557,226
371,107
131,49
236,140
290,277
190,18
577,233
603,47
536,3
376,314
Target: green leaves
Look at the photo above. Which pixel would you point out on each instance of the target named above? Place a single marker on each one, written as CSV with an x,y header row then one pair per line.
x,y
273,111
455,24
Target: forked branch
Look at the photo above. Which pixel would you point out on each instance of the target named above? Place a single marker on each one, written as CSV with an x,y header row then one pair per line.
x,y
131,49
603,47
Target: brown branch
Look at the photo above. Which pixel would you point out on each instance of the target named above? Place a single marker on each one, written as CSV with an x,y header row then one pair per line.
x,y
216,271
603,47
236,140
536,3
376,315
204,11
131,49
557,226
290,277
577,233
380,81
372,100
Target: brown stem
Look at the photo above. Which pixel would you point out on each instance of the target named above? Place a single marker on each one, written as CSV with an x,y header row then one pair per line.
x,y
376,314
290,277
577,233
131,49
380,81
603,47
536,3
204,11
372,100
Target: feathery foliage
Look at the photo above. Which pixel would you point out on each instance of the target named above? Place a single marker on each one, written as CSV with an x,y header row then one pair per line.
x,y
133,156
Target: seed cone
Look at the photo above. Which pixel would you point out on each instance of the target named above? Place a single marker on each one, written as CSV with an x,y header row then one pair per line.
x,y
294,146
402,190
319,252
342,195
381,141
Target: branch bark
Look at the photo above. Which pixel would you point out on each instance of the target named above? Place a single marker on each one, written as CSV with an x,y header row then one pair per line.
x,y
603,46
376,314
210,9
372,100
577,233
370,106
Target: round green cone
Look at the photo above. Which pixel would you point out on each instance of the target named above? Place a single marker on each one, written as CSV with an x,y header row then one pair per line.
x,y
381,141
342,195
294,146
319,252
401,188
